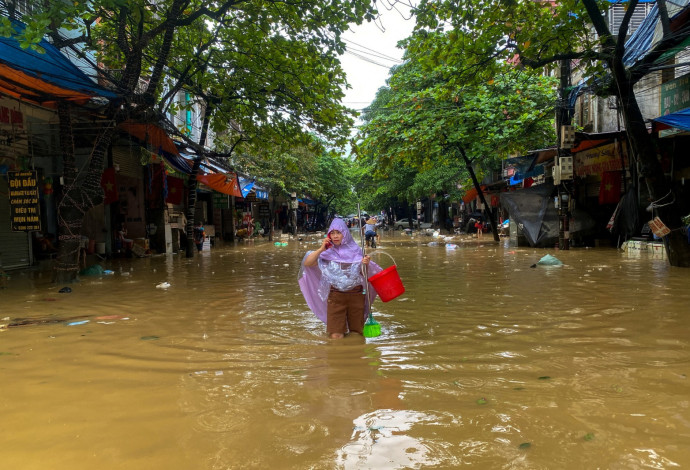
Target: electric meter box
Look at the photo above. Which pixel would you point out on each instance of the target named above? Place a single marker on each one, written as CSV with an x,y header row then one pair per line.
x,y
566,167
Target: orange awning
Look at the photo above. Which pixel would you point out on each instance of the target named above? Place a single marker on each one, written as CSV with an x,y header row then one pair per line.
x,y
151,135
472,194
226,184
28,88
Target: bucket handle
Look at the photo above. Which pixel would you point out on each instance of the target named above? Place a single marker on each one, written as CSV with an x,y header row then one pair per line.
x,y
384,253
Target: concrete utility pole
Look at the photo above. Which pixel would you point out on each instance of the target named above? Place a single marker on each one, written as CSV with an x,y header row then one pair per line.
x,y
564,194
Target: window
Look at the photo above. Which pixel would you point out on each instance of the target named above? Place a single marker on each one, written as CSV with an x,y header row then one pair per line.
x,y
617,11
16,9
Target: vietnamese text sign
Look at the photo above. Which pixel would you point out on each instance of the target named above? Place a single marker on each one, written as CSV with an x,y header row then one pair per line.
x,y
264,210
221,201
24,205
675,95
597,160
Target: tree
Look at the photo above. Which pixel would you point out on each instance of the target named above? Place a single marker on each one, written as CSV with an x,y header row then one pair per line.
x,y
542,34
427,120
261,63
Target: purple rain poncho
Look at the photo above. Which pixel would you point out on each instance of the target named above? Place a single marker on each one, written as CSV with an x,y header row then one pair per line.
x,y
337,266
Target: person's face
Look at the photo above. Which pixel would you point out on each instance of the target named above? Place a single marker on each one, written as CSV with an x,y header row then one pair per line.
x,y
336,237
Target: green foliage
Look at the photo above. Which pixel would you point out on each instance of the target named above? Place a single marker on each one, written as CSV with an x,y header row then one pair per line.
x,y
431,109
259,63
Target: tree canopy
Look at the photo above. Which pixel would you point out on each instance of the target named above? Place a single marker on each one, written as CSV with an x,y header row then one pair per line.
x,y
425,116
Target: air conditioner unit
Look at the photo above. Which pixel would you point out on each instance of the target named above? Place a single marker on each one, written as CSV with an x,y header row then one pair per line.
x,y
567,137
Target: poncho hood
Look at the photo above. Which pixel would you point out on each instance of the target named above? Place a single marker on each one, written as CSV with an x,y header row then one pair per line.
x,y
348,251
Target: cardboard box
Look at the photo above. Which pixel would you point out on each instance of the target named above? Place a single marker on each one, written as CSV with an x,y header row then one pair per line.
x,y
657,250
637,245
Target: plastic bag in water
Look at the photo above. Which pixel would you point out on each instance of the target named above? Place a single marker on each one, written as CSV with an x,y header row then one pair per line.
x,y
549,260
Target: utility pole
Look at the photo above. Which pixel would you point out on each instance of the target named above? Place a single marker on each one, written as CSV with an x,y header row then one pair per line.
x,y
563,168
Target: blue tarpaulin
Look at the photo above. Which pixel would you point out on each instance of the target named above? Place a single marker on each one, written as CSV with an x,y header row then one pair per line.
x,y
246,186
649,33
679,119
32,75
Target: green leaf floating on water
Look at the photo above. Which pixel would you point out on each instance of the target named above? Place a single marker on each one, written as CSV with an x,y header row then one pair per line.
x,y
482,401
149,338
525,445
544,377
589,436
5,353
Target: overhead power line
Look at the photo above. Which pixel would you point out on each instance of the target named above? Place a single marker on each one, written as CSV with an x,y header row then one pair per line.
x,y
374,52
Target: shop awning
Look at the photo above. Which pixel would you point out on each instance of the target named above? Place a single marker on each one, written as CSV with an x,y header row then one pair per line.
x,y
150,136
679,120
584,141
471,194
246,186
43,78
223,183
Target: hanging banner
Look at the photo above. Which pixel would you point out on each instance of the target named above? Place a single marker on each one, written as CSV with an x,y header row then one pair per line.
x,y
25,215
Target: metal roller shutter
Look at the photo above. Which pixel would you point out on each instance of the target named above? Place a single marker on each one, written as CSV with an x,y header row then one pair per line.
x,y
128,157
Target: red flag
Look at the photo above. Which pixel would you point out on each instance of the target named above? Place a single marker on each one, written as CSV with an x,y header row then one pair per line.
x,y
109,186
154,186
175,190
610,189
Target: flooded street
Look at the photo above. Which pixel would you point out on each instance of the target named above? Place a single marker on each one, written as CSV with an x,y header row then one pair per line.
x,y
483,363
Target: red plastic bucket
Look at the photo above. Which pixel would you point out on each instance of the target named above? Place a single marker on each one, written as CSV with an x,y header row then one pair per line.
x,y
387,283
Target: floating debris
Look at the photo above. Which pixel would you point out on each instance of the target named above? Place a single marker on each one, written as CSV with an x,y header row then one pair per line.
x,y
548,260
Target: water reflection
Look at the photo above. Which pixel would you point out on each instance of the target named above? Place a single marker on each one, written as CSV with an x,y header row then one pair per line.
x,y
484,362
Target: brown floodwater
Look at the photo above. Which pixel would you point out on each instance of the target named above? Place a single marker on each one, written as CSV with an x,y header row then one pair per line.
x,y
483,363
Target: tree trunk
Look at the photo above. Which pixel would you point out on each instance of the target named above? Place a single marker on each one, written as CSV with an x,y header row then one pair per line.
x,y
191,207
271,217
488,212
192,185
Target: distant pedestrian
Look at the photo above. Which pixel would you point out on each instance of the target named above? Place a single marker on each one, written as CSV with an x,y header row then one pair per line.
x,y
480,228
199,236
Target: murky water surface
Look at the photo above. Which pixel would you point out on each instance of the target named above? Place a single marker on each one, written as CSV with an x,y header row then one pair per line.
x,y
483,363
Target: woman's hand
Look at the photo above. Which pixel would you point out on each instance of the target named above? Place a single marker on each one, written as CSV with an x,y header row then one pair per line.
x,y
312,258
366,259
